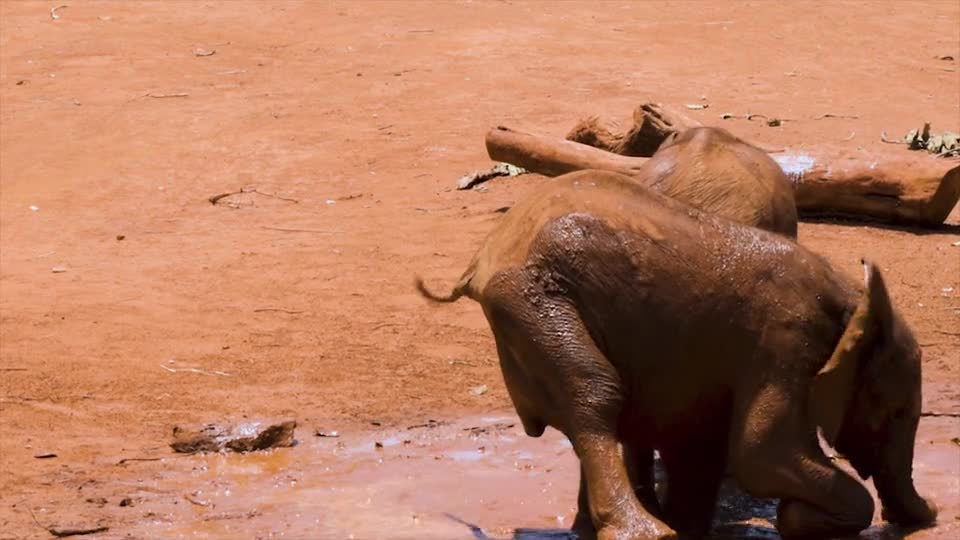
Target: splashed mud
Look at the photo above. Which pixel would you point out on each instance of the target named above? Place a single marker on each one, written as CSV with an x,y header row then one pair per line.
x,y
472,478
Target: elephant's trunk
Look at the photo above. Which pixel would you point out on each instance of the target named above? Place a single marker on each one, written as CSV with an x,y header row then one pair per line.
x,y
893,478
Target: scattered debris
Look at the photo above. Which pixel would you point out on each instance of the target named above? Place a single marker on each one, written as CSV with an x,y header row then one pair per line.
x,y
930,414
160,96
378,445
851,136
375,423
946,57
53,12
34,207
479,390
120,237
231,72
429,424
129,459
831,115
192,499
195,370
233,515
263,310
67,531
500,169
20,82
104,17
697,106
323,433
421,31
772,122
946,144
58,269
217,198
99,501
200,51
480,430
242,438
126,501
284,229
45,456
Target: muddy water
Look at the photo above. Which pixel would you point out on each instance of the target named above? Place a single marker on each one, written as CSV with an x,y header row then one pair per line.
x,y
472,478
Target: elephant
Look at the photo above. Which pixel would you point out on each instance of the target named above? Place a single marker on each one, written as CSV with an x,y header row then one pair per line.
x,y
626,319
711,169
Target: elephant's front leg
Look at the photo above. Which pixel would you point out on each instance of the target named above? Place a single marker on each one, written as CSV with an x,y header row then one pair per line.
x,y
777,455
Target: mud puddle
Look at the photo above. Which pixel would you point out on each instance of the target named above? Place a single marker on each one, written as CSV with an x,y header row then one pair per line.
x,y
470,478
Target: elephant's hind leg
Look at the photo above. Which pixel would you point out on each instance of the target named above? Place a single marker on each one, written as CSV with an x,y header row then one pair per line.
x,y
579,392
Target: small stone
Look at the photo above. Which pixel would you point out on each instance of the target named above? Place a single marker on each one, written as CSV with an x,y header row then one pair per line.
x,y
34,208
58,269
120,237
126,501
479,390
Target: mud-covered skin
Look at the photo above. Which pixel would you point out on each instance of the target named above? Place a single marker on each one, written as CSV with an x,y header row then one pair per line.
x,y
712,170
621,315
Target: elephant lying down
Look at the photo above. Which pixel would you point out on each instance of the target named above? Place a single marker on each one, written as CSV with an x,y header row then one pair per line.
x,y
623,316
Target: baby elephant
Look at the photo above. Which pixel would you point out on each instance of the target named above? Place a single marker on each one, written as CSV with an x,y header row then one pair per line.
x,y
622,316
712,170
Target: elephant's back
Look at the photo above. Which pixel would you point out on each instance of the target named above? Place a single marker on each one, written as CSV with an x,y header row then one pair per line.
x,y
610,197
712,170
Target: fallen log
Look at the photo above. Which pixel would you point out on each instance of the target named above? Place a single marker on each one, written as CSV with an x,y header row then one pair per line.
x,y
551,156
903,187
899,187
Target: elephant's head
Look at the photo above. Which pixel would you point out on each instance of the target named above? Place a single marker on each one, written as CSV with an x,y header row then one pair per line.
x,y
866,400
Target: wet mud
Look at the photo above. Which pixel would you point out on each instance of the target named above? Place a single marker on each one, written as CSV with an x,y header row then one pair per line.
x,y
478,477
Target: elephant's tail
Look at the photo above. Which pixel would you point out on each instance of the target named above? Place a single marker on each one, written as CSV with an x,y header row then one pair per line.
x,y
462,288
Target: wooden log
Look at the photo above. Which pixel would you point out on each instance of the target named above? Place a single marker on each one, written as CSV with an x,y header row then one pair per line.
x,y
899,187
902,187
551,156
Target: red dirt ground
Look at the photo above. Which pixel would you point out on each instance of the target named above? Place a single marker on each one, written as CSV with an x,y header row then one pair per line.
x,y
366,114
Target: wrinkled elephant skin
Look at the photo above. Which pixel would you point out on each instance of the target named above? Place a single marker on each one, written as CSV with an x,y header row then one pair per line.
x,y
622,316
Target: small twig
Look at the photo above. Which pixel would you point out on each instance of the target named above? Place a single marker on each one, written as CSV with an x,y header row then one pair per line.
x,y
129,459
831,115
927,414
944,332
261,310
216,198
852,135
53,12
63,533
421,31
159,96
13,369
883,138
195,370
195,501
284,229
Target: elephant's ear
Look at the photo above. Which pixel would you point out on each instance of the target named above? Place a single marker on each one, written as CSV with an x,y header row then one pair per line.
x,y
835,385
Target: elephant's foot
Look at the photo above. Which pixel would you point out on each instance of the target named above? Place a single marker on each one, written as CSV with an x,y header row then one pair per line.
x,y
798,520
919,513
630,529
583,526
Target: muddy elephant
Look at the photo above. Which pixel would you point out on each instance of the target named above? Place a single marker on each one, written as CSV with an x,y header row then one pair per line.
x,y
622,316
711,169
